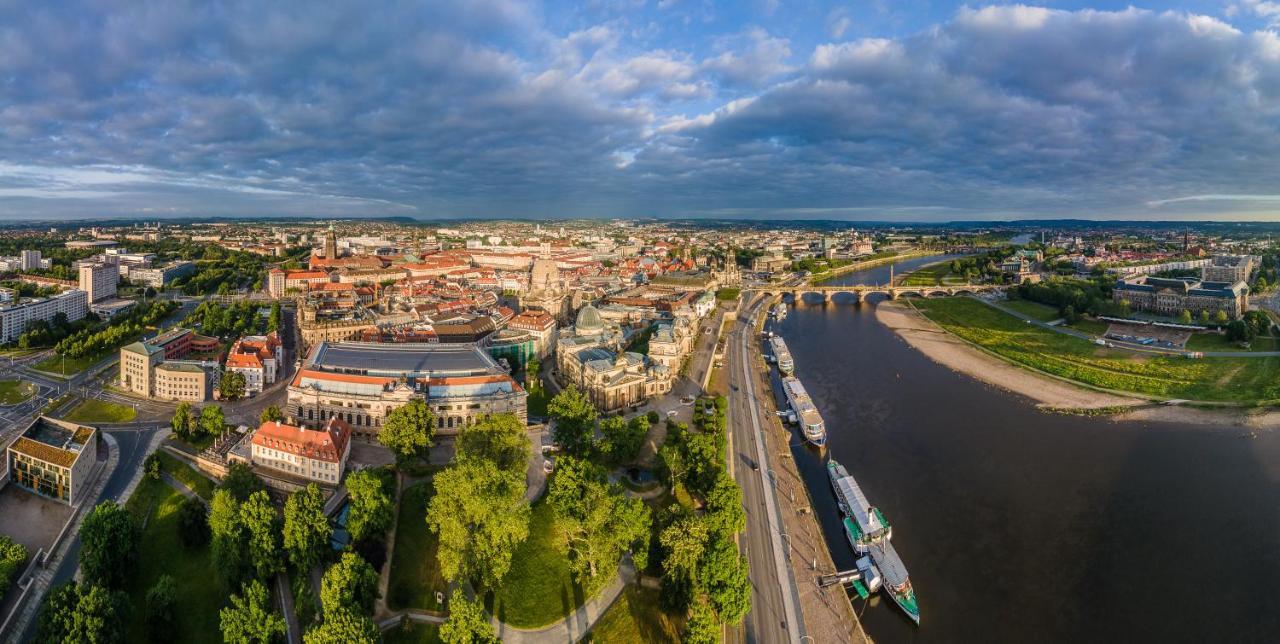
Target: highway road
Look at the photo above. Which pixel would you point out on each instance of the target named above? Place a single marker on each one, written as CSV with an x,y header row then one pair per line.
x,y
775,611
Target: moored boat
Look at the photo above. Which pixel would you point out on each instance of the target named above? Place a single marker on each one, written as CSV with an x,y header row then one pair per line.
x,y
811,423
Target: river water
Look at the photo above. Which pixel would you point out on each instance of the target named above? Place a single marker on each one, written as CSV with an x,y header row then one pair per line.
x,y
1022,526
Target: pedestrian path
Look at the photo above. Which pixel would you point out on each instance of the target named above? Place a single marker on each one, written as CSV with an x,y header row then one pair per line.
x,y
574,627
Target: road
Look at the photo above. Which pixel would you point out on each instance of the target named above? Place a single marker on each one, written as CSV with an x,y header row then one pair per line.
x,y
774,615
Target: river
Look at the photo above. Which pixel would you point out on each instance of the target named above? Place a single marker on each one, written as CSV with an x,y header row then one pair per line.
x,y
1022,526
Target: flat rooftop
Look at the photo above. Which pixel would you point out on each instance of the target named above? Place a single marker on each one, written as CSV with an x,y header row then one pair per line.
x,y
403,359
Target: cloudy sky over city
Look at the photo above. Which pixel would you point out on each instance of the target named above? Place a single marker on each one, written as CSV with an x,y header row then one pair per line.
x,y
885,110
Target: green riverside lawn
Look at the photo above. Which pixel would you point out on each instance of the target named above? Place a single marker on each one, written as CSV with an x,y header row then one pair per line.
x,y
933,275
13,392
91,411
415,573
1206,379
1034,310
199,588
538,590
635,617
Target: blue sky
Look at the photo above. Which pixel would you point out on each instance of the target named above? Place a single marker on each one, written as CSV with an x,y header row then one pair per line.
x,y
884,110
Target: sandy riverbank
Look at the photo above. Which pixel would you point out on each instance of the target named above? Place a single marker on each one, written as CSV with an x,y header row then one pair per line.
x,y
957,355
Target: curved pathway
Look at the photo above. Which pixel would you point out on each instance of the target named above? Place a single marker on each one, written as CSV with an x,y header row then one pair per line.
x,y
575,626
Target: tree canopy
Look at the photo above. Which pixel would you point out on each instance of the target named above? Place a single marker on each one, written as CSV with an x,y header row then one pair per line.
x,y
306,528
467,623
372,509
349,584
82,614
500,439
598,521
480,516
249,619
574,420
408,429
344,627
108,545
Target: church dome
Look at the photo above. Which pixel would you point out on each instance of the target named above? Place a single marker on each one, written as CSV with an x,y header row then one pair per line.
x,y
588,320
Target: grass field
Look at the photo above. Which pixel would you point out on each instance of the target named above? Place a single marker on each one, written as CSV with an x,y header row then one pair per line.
x,y
92,410
413,633
56,365
1092,327
538,399
200,590
1207,379
13,392
415,574
1215,342
538,590
636,616
187,475
1033,310
933,275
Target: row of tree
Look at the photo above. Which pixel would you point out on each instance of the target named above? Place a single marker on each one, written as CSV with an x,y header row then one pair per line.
x,y
617,441
191,423
228,321
104,336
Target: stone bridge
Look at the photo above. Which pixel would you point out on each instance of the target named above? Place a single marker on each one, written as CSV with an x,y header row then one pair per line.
x,y
861,291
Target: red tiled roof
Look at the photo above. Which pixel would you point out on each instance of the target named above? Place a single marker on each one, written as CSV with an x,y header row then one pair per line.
x,y
326,444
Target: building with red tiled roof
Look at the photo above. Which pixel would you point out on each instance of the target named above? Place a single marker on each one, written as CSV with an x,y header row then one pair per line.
x,y
257,358
318,455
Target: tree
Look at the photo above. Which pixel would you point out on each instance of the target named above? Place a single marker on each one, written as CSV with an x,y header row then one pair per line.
x,y
531,370
273,318
724,514
684,542
263,529
193,523
623,439
1261,285
230,541
1184,317
88,614
349,584
249,619
108,545
240,481
161,599
344,627
466,623
1204,317
306,528
408,429
480,516
723,574
1220,318
231,386
12,556
212,422
701,627
671,457
500,439
271,414
182,420
574,417
371,506
598,521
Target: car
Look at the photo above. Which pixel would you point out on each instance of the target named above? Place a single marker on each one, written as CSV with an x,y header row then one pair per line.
x,y
671,413
548,465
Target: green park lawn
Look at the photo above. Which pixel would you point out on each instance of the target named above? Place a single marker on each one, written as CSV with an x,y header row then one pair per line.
x,y
187,475
538,590
13,392
1217,342
415,574
1207,379
1092,327
636,616
412,633
1033,310
92,410
538,399
932,275
200,590
59,366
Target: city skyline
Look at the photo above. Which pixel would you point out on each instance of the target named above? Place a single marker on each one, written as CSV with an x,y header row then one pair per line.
x,y
914,112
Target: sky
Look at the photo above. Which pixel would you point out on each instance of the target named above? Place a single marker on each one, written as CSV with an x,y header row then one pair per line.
x,y
885,110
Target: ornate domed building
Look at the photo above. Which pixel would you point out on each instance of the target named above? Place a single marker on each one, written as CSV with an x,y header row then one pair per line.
x,y
589,356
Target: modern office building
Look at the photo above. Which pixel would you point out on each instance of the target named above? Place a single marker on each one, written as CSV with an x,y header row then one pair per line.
x,y
159,276
361,382
53,458
15,317
99,280
1228,268
146,371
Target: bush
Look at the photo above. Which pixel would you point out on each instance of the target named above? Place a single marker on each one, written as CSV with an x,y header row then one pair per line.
x,y
12,554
